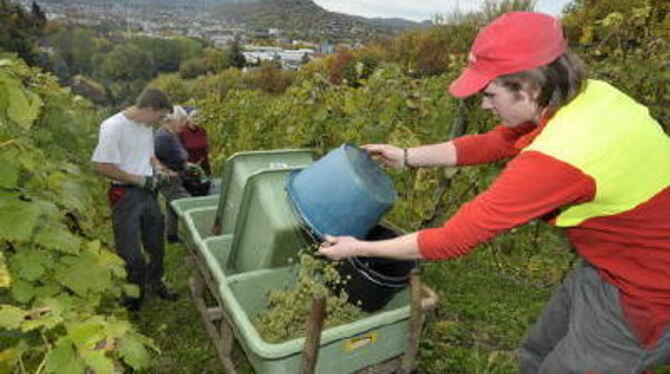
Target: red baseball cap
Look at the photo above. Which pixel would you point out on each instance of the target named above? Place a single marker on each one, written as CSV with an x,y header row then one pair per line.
x,y
512,43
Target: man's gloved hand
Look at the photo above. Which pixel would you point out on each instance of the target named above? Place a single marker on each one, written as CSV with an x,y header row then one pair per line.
x,y
147,182
161,177
195,169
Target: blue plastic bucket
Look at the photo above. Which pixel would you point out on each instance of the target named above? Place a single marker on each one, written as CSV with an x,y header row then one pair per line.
x,y
343,193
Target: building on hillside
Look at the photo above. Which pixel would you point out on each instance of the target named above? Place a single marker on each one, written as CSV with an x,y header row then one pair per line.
x,y
304,43
326,48
194,33
290,59
222,40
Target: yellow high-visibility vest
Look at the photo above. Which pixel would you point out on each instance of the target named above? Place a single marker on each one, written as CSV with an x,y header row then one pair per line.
x,y
613,139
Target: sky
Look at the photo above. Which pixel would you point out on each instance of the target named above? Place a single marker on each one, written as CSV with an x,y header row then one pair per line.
x,y
419,10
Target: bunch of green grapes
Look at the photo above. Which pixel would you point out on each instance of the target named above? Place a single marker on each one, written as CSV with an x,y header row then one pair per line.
x,y
288,309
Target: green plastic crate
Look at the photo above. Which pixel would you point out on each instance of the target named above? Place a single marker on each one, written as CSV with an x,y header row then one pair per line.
x,y
343,349
215,252
181,206
268,232
196,225
240,166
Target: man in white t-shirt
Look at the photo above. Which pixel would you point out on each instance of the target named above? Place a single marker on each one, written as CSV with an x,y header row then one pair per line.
x,y
125,154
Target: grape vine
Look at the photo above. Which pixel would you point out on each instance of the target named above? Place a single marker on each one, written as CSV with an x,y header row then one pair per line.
x,y
58,280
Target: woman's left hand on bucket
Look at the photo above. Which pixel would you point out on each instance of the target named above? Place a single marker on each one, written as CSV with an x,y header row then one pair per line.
x,y
385,154
339,247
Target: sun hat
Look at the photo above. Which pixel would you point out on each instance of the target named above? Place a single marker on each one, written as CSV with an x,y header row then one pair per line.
x,y
191,111
178,114
512,43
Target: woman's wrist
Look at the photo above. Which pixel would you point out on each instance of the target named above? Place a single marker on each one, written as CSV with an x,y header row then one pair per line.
x,y
362,248
405,158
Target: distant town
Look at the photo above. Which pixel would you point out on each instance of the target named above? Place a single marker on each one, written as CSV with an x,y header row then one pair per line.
x,y
194,20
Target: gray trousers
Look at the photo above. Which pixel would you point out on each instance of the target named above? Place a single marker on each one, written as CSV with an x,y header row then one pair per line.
x,y
583,330
172,191
138,222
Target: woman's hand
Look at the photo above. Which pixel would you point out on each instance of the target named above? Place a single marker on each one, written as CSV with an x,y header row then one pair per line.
x,y
386,154
404,247
339,247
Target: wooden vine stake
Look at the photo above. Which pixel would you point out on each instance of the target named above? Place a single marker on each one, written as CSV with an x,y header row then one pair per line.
x,y
415,321
313,337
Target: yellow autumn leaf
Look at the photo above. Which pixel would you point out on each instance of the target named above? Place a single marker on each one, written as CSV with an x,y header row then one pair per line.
x,y
5,278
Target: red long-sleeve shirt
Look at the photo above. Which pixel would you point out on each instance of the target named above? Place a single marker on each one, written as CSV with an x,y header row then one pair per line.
x,y
630,249
195,142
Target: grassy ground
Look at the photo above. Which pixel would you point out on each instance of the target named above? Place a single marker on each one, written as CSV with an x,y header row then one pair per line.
x,y
177,327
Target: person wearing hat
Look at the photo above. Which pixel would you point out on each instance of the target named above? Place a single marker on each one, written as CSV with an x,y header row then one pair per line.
x,y
172,154
583,156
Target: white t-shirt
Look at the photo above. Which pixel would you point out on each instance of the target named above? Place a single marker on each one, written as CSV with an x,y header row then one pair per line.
x,y
127,144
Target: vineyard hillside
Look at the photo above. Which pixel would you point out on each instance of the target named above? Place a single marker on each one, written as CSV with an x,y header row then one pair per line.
x,y
59,280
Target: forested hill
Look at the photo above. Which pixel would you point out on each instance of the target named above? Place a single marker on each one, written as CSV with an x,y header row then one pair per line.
x,y
299,18
306,17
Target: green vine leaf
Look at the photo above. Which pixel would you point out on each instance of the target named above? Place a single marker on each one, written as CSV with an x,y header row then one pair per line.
x,y
111,261
98,361
63,358
72,194
116,329
48,321
86,334
5,278
9,173
131,290
28,264
11,317
9,358
22,291
82,275
29,160
57,236
612,19
46,291
18,219
134,352
24,106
